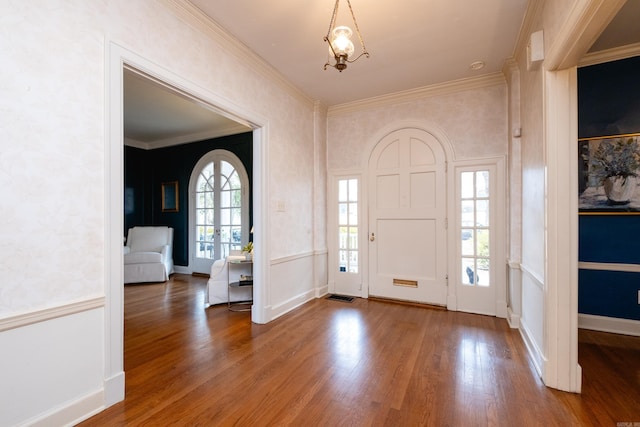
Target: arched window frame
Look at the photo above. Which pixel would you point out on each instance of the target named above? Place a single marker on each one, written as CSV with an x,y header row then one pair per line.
x,y
217,156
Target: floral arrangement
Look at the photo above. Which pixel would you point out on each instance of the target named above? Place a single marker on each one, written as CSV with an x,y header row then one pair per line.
x,y
248,248
616,158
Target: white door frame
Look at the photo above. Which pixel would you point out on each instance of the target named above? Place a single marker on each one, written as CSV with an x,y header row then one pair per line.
x,y
116,58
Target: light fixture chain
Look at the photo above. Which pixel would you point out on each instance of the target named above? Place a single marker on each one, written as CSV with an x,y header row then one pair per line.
x,y
333,19
355,22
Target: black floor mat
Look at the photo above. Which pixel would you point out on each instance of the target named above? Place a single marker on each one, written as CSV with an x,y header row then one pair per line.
x,y
340,298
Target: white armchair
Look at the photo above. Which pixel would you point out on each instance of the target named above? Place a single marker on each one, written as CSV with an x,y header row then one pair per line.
x,y
217,286
148,254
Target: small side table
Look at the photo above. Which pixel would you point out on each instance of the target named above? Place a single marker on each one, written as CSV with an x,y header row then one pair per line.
x,y
239,305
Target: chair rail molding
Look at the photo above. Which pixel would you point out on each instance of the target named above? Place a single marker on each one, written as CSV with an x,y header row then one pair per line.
x,y
45,314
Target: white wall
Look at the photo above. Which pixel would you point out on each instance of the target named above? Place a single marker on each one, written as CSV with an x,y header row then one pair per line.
x,y
52,367
473,119
53,125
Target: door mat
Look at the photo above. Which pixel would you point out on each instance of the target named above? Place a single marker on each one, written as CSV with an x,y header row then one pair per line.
x,y
342,298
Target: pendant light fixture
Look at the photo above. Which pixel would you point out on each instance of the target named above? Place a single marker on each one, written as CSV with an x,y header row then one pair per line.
x,y
339,40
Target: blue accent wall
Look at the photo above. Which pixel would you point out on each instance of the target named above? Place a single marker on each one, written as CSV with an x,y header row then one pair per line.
x,y
609,293
609,104
146,170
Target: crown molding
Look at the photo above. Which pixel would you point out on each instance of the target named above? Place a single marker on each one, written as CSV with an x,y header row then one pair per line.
x,y
615,54
487,80
534,9
200,21
187,139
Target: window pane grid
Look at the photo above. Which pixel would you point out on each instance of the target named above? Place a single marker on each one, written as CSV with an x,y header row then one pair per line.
x,y
474,226
218,228
348,232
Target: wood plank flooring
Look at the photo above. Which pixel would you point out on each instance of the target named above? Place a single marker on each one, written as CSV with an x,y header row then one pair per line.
x,y
331,363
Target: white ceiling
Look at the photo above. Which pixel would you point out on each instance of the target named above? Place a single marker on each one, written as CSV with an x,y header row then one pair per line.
x,y
412,43
156,116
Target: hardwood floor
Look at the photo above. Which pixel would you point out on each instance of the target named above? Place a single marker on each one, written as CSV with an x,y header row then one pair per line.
x,y
333,363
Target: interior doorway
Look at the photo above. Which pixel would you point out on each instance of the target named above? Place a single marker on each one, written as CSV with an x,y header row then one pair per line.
x,y
119,60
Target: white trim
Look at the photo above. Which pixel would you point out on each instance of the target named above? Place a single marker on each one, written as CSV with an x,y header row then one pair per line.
x,y
561,230
117,58
513,319
423,92
114,389
71,414
613,325
425,125
514,295
609,266
43,315
537,357
515,265
296,257
582,24
291,304
232,129
261,253
181,269
615,54
538,281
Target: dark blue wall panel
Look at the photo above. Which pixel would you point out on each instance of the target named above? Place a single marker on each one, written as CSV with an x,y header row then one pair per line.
x,y
610,238
146,170
609,104
609,293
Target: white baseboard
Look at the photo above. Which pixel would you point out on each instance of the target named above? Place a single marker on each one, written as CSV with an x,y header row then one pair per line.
x,y
322,291
114,389
71,414
609,324
502,310
513,319
181,269
534,351
287,306
452,303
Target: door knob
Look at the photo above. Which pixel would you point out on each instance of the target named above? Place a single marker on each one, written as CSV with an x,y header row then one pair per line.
x,y
373,237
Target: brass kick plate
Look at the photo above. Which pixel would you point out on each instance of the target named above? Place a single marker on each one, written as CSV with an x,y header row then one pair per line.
x,y
407,283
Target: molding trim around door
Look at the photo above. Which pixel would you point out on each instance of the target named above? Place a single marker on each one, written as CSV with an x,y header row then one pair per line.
x,y
430,127
116,59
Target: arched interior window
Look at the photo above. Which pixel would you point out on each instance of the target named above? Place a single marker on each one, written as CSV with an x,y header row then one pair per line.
x,y
220,217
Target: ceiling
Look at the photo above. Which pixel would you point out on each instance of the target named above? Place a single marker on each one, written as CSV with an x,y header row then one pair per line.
x,y
412,43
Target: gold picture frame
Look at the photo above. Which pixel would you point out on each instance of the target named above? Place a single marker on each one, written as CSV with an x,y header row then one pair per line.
x,y
170,201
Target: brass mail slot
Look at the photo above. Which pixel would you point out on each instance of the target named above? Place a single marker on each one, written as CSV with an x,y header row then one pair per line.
x,y
408,283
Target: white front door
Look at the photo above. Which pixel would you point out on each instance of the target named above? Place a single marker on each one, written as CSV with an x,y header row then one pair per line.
x,y
407,218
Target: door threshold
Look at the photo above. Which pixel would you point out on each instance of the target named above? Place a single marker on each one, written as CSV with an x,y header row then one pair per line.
x,y
409,303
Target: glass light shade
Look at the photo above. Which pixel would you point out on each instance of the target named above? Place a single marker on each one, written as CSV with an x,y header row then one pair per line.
x,y
341,42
